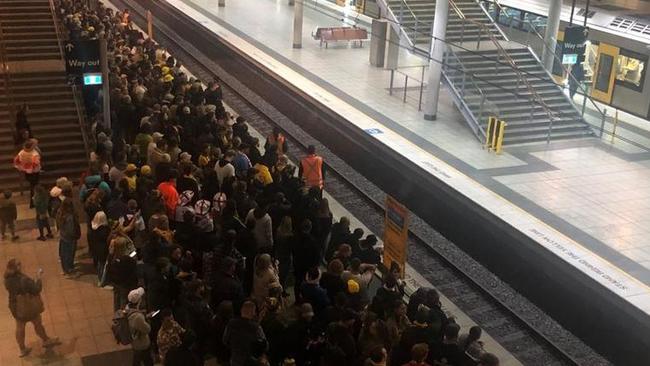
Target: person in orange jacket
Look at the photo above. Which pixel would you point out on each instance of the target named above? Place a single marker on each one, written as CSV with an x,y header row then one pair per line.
x,y
312,169
169,194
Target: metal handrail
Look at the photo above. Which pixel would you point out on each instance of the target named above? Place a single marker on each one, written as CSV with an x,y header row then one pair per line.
x,y
11,103
55,20
400,19
421,82
75,93
466,73
502,52
533,27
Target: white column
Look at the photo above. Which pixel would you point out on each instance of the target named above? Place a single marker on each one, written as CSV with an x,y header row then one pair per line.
x,y
439,30
550,37
297,24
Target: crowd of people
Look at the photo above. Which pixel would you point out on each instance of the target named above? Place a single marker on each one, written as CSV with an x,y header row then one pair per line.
x,y
216,246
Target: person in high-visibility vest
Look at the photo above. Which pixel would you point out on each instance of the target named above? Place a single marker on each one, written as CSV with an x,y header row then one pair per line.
x,y
312,170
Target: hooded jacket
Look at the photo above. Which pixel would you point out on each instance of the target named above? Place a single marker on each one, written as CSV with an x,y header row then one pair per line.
x,y
92,182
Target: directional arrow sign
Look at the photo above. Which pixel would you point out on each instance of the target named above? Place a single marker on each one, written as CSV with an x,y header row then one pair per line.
x,y
82,57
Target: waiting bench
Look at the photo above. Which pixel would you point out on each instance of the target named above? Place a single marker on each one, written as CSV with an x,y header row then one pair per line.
x,y
331,34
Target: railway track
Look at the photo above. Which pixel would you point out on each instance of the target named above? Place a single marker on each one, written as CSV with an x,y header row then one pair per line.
x,y
529,334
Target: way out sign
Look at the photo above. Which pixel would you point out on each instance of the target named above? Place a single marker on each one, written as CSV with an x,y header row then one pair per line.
x,y
82,57
396,227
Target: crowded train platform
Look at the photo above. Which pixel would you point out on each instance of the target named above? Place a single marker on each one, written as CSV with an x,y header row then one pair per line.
x,y
169,226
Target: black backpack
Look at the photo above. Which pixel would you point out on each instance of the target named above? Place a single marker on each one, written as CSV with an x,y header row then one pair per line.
x,y
120,327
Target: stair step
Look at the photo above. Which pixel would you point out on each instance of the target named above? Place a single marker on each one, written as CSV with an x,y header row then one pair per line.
x,y
48,124
43,104
58,94
538,114
539,137
48,140
22,35
31,42
9,28
31,15
8,9
59,112
34,56
48,47
518,125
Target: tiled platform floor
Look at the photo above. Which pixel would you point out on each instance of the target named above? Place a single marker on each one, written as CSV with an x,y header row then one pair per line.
x,y
591,190
76,310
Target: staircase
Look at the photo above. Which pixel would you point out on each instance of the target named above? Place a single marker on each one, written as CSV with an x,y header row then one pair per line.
x,y
53,118
28,30
489,75
416,18
32,61
527,121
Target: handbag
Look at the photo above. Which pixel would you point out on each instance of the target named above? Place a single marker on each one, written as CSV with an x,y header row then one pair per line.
x,y
29,306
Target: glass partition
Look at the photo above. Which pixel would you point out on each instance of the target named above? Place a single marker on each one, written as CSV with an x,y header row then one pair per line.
x,y
630,69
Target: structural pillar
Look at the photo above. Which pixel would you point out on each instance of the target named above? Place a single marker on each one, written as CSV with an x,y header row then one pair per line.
x,y
438,31
550,37
391,59
378,42
106,91
297,24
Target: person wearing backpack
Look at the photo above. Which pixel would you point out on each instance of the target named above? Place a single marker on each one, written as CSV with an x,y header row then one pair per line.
x,y
139,329
92,182
26,305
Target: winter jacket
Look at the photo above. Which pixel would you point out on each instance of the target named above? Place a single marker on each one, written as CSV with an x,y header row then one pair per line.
x,y
170,196
139,329
69,228
8,210
263,230
240,336
224,169
17,284
93,182
28,161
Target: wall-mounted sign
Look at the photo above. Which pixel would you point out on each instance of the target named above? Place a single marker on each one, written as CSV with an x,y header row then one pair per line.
x,y
93,79
82,57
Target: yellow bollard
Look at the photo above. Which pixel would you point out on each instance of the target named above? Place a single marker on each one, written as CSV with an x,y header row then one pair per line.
x,y
491,127
615,125
499,140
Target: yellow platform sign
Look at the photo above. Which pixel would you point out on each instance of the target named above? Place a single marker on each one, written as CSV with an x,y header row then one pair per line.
x,y
395,234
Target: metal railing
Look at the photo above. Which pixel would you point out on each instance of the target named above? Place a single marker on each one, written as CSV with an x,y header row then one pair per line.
x,y
9,99
502,54
467,85
421,84
405,8
6,75
60,37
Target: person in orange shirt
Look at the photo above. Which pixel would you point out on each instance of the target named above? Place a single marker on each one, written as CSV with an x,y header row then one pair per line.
x,y
169,194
